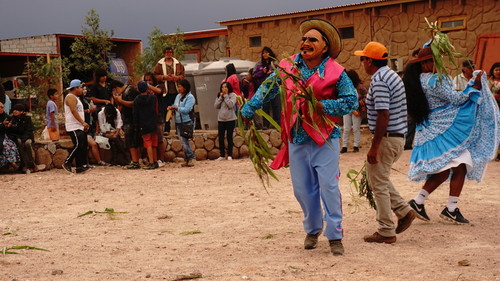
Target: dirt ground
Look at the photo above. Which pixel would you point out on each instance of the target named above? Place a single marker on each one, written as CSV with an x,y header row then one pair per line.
x,y
215,221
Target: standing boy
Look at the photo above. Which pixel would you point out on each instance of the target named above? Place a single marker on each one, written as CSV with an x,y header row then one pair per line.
x,y
145,111
51,115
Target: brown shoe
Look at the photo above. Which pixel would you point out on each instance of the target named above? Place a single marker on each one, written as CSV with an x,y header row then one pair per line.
x,y
405,222
377,238
336,247
311,241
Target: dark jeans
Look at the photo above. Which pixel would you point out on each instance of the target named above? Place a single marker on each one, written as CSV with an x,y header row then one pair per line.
x,y
79,152
118,150
273,109
226,128
25,153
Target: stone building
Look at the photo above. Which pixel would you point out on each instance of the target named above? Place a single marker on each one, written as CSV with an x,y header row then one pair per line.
x,y
206,45
396,23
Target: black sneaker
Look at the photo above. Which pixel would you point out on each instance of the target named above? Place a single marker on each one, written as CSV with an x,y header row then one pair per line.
x,y
151,166
454,216
133,165
343,150
419,210
67,167
355,149
81,170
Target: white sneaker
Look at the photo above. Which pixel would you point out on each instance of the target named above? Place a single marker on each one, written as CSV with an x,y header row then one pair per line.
x,y
229,158
160,163
220,158
40,167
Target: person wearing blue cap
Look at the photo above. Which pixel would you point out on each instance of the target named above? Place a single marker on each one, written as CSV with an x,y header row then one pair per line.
x,y
145,116
76,127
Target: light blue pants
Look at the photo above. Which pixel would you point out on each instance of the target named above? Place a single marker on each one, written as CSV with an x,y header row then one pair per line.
x,y
315,178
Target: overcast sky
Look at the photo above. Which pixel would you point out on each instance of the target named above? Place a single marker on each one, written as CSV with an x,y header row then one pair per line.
x,y
135,19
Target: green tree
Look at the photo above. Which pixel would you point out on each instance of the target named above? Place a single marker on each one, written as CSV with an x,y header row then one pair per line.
x,y
157,41
89,52
44,73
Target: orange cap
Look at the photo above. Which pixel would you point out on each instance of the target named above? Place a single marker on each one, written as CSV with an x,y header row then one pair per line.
x,y
374,50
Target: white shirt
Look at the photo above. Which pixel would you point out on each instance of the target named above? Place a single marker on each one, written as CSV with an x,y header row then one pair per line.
x,y
71,123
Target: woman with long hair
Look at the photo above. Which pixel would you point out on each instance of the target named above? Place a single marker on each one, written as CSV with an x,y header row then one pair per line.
x,y
494,82
225,103
9,155
232,78
456,134
183,107
262,70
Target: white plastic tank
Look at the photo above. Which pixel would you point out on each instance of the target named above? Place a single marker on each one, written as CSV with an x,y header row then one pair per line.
x,y
207,80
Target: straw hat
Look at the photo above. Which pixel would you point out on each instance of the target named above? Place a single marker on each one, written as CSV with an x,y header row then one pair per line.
x,y
328,30
423,54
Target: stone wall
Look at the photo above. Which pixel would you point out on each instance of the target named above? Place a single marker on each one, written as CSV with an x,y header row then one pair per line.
x,y
44,44
211,49
205,145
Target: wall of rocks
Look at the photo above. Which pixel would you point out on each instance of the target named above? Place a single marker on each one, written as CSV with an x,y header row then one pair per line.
x,y
205,145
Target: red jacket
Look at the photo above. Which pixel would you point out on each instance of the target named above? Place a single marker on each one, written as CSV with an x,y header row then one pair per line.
x,y
324,88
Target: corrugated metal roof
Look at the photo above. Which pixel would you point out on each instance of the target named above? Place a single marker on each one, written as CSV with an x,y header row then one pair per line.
x,y
307,11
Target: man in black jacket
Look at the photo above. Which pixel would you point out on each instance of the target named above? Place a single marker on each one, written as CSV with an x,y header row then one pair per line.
x,y
21,131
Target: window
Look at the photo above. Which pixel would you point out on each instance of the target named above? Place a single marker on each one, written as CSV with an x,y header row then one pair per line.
x,y
452,23
396,64
347,32
255,41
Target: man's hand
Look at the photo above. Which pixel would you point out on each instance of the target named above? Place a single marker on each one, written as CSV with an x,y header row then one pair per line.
x,y
371,157
118,98
477,81
169,77
319,108
86,126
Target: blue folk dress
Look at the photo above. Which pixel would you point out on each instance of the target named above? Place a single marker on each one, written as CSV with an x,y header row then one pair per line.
x,y
462,127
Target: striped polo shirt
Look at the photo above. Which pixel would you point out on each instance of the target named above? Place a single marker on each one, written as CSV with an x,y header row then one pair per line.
x,y
387,92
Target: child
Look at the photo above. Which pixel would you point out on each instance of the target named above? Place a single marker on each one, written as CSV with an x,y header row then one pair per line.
x,y
145,117
51,115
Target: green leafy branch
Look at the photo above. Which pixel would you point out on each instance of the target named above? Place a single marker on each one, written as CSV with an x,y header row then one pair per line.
x,y
7,250
442,49
359,181
106,211
258,150
10,232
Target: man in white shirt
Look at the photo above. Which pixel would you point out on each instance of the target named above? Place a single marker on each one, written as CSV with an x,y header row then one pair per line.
x,y
76,127
461,80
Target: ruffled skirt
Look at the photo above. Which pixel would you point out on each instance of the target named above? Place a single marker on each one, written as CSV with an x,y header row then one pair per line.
x,y
452,135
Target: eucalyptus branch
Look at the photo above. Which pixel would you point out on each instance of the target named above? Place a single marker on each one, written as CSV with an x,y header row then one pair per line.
x,y
442,48
361,186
